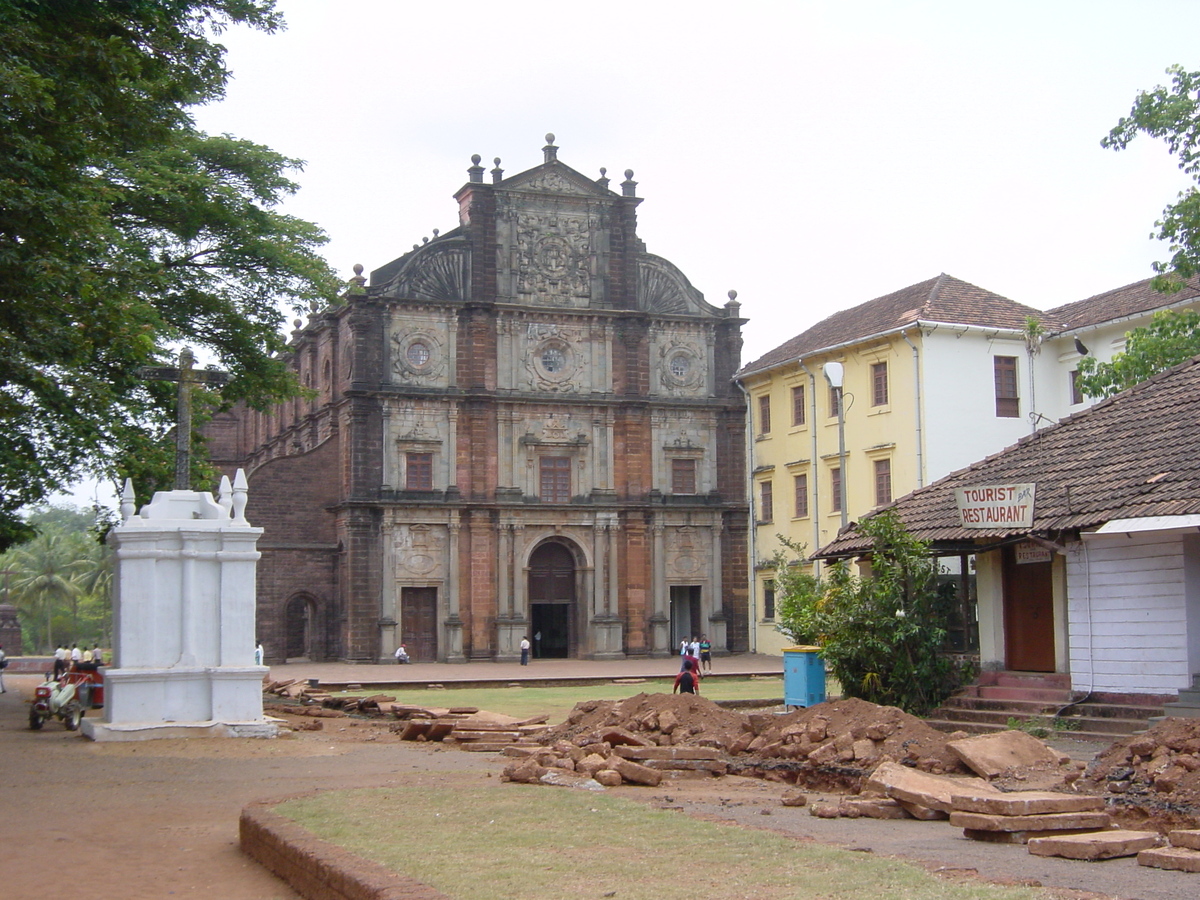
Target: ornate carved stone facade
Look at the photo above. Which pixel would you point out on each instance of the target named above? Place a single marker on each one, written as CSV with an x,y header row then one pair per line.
x,y
525,426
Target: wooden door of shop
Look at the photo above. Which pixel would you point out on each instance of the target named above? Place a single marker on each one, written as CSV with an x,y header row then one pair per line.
x,y
418,623
1028,615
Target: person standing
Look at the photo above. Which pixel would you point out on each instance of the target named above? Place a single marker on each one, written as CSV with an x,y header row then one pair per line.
x,y
3,666
98,655
60,661
76,654
683,652
259,654
705,653
525,650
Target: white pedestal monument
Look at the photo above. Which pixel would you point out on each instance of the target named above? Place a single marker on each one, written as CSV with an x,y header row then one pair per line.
x,y
183,610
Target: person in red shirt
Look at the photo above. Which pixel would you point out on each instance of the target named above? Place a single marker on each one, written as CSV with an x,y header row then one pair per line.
x,y
687,681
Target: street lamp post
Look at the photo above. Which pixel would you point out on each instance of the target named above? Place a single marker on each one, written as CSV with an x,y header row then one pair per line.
x,y
835,373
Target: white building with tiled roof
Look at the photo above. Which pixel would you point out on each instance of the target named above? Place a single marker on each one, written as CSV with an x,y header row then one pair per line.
x,y
936,375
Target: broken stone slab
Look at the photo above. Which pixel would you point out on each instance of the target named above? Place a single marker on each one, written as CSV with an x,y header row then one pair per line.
x,y
1079,821
1024,803
990,754
882,808
923,813
645,753
615,736
1097,845
712,766
1188,839
635,772
521,752
921,788
1020,837
482,747
570,779
1179,858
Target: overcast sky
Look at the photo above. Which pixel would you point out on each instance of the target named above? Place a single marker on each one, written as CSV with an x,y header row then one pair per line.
x,y
810,155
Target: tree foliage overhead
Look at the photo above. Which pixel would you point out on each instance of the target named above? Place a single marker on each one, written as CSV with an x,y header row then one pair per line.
x,y
1172,337
125,232
882,636
1173,115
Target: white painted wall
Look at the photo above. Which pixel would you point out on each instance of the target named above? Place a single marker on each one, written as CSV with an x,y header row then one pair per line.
x,y
961,426
1128,609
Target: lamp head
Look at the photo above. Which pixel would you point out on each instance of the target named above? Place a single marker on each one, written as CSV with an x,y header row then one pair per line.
x,y
834,372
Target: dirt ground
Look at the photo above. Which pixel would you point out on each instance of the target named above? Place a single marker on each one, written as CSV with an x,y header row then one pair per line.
x,y
159,819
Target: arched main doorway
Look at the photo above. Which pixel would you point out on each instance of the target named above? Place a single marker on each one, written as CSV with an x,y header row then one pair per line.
x,y
298,622
552,601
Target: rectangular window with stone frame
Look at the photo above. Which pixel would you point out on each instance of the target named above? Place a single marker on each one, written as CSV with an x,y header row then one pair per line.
x,y
879,384
801,494
418,471
764,414
798,413
769,600
766,509
555,479
683,476
835,490
883,482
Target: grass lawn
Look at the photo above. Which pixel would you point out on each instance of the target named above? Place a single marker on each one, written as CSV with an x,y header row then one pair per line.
x,y
508,840
559,701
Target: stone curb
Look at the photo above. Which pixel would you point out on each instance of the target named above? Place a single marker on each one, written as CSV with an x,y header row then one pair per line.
x,y
317,869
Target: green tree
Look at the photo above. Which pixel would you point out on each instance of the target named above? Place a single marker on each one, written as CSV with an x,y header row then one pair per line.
x,y
1173,115
881,636
1172,337
125,232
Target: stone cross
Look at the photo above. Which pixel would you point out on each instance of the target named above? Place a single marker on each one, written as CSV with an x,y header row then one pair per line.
x,y
186,376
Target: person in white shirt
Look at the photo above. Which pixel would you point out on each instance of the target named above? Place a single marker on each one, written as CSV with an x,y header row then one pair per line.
x,y
3,666
525,650
60,661
76,654
401,655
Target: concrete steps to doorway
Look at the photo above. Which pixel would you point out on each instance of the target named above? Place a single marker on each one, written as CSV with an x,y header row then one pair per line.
x,y
1044,701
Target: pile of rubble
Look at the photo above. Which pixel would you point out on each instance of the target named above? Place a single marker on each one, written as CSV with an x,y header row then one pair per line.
x,y
466,726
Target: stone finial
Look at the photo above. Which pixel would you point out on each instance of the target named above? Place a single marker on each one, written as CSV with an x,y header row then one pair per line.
x,y
629,186
497,173
128,506
476,170
550,151
225,495
603,179
436,232
297,324
733,308
241,489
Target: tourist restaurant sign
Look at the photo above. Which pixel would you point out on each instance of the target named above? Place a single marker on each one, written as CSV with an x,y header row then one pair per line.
x,y
1001,505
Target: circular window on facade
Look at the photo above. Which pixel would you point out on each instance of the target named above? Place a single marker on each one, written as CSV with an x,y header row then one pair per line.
x,y
681,366
417,354
553,359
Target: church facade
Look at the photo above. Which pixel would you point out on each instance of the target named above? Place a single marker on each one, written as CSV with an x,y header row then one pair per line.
x,y
526,426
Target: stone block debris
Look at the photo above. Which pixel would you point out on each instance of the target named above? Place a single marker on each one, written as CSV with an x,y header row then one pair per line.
x,y
1095,845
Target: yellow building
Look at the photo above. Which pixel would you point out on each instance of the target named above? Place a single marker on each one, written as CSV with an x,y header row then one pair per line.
x,y
929,379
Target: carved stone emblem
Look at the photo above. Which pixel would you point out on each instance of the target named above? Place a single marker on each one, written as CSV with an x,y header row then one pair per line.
x,y
553,260
419,550
418,356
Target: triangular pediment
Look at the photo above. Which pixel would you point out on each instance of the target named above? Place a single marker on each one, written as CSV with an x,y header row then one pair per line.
x,y
556,178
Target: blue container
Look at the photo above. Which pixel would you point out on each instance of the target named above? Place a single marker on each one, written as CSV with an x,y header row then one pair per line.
x,y
803,676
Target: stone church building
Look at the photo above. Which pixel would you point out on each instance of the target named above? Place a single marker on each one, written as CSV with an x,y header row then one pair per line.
x,y
525,426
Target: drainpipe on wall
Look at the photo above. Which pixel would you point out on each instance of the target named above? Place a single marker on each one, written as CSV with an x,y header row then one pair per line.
x,y
753,530
917,400
816,477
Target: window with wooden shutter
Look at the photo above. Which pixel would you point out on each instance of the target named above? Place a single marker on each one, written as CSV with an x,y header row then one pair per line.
x,y
801,492
798,405
764,414
1008,404
766,512
555,474
418,471
883,481
683,476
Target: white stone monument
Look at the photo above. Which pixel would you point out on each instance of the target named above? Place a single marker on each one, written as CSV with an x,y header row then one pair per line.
x,y
183,610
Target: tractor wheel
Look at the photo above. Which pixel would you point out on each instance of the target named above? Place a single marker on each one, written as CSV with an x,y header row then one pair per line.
x,y
35,720
73,716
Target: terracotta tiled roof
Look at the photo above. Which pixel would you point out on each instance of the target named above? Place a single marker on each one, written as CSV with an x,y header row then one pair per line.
x,y
1118,303
1131,456
942,299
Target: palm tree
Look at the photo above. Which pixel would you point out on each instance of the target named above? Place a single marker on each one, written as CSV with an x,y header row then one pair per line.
x,y
45,576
